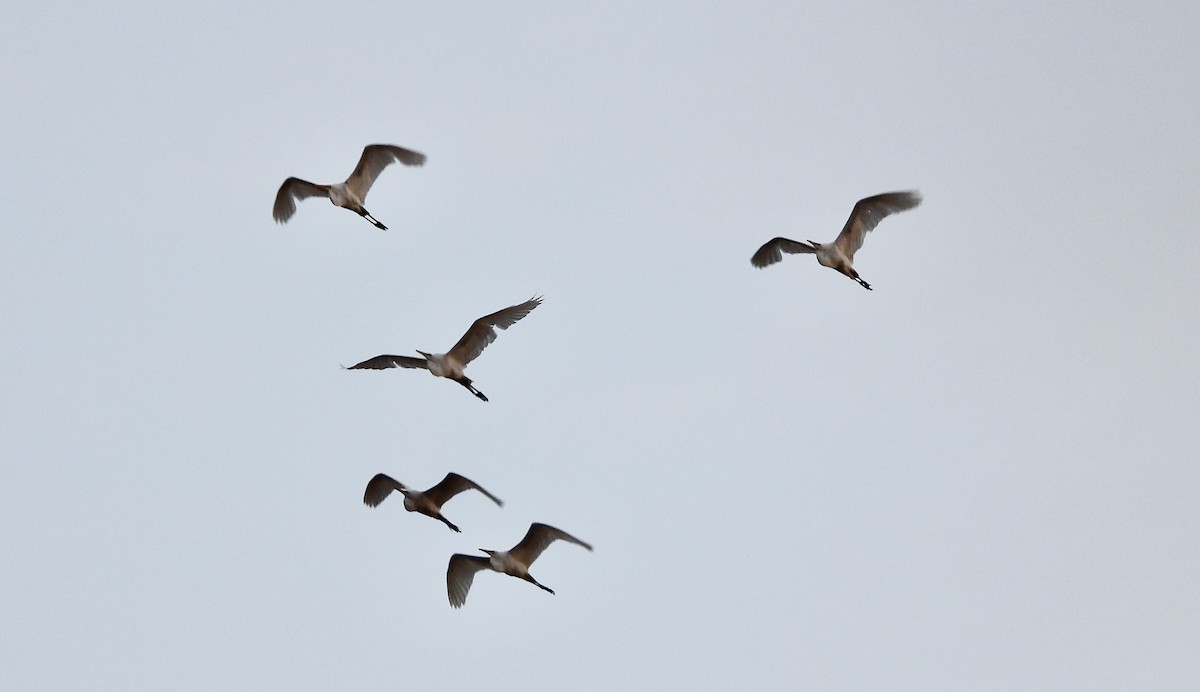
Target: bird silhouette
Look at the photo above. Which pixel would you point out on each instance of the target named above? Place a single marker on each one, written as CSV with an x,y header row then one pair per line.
x,y
428,502
514,562
839,254
451,363
352,193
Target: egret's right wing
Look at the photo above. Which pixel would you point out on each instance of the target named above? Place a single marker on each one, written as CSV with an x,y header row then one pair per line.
x,y
773,250
379,487
384,362
459,575
291,190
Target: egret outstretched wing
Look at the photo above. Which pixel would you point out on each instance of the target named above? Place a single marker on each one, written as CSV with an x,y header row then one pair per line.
x,y
379,487
290,191
454,484
374,159
385,362
773,250
867,214
482,333
537,539
459,575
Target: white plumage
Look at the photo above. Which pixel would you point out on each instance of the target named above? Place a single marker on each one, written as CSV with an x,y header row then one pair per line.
x,y
839,254
515,562
353,192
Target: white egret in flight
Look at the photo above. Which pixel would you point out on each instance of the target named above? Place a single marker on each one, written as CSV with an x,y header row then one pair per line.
x,y
514,562
353,192
839,254
451,363
429,502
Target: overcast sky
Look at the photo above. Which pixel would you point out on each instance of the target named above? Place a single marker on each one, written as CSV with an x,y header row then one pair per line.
x,y
982,475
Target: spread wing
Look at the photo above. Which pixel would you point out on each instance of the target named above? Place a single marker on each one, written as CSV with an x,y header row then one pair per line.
x,y
773,250
374,159
452,485
867,214
291,190
384,362
379,487
537,538
459,575
482,333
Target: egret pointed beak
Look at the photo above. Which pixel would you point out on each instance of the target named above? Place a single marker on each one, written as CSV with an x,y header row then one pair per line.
x,y
425,355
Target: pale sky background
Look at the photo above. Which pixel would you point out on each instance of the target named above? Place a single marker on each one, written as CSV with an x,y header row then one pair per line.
x,y
982,475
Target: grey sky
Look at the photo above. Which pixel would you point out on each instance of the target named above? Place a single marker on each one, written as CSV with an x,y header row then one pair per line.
x,y
982,475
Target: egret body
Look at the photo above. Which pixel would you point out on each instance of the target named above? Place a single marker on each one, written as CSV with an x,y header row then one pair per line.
x,y
839,254
515,562
428,502
451,363
350,194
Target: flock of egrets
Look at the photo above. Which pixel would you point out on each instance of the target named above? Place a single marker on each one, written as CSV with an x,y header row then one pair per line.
x,y
460,573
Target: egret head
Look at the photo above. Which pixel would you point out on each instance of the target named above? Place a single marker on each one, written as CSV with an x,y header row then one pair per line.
x,y
815,244
489,552
427,356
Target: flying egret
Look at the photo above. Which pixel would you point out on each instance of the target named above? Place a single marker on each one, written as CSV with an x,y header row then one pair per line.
x,y
350,194
451,363
429,502
839,254
514,563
